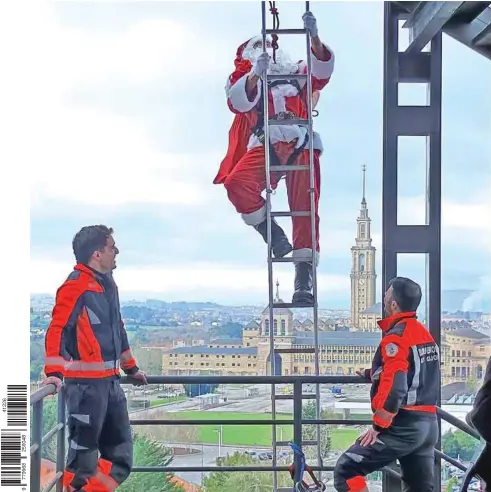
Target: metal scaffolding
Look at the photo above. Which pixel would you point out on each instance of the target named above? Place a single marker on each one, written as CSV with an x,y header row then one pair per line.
x,y
415,121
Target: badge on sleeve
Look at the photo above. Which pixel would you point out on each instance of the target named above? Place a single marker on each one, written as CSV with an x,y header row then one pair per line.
x,y
391,349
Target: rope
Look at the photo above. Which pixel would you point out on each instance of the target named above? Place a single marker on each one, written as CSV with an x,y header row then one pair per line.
x,y
276,25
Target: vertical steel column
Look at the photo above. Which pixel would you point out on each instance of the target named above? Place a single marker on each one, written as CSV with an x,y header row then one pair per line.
x,y
297,425
60,439
425,121
37,437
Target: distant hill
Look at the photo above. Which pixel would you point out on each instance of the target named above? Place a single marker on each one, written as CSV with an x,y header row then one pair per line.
x,y
177,306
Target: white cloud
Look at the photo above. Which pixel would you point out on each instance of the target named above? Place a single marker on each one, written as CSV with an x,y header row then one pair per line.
x,y
461,222
88,155
46,276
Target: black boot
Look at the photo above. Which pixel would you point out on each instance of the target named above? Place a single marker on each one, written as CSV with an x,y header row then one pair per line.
x,y
279,242
303,284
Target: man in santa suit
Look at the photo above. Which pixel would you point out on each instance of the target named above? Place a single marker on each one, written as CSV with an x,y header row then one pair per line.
x,y
242,171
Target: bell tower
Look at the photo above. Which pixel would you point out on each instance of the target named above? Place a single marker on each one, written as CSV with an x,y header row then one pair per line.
x,y
363,276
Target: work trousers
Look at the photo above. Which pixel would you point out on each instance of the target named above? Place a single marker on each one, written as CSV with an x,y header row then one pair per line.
x,y
247,181
98,423
411,439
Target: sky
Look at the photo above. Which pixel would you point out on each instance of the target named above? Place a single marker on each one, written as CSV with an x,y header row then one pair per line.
x,y
128,123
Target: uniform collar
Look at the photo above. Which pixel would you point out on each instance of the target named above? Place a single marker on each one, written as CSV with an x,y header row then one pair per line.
x,y
105,279
387,323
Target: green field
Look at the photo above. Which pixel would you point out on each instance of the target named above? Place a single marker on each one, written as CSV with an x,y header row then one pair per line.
x,y
164,401
256,435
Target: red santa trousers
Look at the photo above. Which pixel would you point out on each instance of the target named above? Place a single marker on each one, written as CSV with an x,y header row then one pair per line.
x,y
247,181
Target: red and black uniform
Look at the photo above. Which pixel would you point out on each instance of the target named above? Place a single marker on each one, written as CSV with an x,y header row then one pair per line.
x,y
87,345
405,377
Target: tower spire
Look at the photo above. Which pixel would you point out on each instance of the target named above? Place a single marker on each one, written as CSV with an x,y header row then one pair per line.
x,y
363,200
277,291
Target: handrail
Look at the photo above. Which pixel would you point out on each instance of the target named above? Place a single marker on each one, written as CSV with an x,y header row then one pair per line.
x,y
37,398
456,422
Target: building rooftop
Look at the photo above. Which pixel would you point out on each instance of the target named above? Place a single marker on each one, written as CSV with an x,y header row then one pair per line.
x,y
467,333
342,338
226,341
375,309
215,350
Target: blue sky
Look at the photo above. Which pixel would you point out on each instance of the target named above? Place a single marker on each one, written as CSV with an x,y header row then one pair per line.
x,y
132,122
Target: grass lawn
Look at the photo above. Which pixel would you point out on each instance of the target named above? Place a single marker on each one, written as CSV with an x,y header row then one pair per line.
x,y
257,435
170,399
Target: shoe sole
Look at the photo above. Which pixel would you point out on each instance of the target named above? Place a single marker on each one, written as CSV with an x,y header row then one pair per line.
x,y
301,300
283,253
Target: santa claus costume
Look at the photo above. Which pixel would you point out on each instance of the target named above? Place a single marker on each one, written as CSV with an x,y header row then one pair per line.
x,y
242,171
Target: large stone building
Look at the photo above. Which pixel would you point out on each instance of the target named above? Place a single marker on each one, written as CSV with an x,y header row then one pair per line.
x,y
341,352
465,353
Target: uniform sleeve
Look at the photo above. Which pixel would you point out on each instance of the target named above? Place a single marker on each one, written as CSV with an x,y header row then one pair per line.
x,y
126,360
392,386
65,312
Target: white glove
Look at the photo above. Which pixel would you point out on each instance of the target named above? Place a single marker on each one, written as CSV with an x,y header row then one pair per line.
x,y
310,23
261,64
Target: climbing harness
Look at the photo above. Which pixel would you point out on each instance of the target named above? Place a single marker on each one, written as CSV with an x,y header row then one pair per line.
x,y
301,485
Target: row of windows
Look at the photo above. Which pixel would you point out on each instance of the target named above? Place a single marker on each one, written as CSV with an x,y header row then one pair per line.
x,y
208,355
206,364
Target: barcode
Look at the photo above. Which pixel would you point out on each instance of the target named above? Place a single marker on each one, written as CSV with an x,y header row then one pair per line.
x,y
17,405
11,464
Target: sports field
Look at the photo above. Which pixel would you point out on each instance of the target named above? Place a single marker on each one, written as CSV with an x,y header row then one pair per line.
x,y
257,435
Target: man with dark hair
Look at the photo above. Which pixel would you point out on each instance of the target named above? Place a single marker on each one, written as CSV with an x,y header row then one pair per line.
x,y
87,345
405,378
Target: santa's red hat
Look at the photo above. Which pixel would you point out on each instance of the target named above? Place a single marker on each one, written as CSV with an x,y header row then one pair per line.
x,y
243,60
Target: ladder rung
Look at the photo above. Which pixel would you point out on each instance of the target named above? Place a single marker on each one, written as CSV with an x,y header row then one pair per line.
x,y
288,122
295,350
297,76
289,259
286,31
290,214
289,305
304,443
311,396
288,168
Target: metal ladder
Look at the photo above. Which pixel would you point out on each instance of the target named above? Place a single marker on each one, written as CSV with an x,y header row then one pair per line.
x,y
270,215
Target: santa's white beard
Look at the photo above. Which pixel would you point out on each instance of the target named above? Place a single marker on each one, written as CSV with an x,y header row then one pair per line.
x,y
283,65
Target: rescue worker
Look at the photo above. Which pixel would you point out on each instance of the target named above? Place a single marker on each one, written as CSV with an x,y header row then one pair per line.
x,y
242,170
86,346
405,377
479,418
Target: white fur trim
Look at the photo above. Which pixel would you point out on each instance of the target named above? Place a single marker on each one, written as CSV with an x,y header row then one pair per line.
x,y
323,69
318,142
238,96
255,218
304,255
286,134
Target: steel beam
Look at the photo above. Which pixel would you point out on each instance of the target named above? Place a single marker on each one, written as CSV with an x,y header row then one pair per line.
x,y
426,21
475,34
413,121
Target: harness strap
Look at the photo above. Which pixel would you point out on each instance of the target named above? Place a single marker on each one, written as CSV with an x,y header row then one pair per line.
x,y
258,130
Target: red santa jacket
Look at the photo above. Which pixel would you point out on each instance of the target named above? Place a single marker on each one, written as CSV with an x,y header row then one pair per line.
x,y
284,97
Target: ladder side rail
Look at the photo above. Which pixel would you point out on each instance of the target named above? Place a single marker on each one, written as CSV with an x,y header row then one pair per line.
x,y
267,164
314,235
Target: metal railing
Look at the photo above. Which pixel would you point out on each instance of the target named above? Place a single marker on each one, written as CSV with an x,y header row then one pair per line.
x,y
391,480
